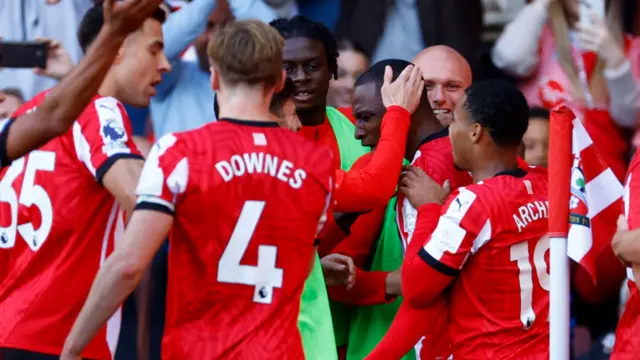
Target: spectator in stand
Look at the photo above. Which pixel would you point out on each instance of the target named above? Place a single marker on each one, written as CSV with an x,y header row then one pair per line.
x,y
184,97
554,57
29,20
552,69
352,62
400,29
536,139
10,100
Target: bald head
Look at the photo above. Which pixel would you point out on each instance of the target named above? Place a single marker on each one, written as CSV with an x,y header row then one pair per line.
x,y
446,75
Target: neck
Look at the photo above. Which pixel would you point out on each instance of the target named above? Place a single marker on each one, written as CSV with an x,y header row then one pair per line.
x,y
488,163
426,127
250,104
109,87
313,116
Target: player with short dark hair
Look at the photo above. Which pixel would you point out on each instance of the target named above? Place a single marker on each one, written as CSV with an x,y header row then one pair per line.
x,y
66,201
490,236
310,60
429,147
243,200
69,98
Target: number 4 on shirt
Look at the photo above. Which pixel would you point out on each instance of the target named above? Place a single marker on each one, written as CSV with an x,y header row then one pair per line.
x,y
265,276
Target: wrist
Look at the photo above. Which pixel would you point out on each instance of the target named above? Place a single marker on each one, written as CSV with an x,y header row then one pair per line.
x,y
615,63
109,32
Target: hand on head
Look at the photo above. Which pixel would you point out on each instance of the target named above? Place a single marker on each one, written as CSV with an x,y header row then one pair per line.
x,y
405,91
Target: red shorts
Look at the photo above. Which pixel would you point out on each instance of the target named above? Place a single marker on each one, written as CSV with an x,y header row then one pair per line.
x,y
627,345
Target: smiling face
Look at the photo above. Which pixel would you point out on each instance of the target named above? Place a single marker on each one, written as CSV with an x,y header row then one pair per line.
x,y
446,75
536,142
368,111
305,63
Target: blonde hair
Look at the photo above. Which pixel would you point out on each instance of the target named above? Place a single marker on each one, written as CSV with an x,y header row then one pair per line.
x,y
248,52
597,85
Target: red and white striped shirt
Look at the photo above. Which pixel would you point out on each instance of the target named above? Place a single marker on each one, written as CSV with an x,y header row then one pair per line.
x,y
57,225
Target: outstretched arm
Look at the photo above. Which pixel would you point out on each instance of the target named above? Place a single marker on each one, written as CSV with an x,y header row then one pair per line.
x,y
374,185
68,99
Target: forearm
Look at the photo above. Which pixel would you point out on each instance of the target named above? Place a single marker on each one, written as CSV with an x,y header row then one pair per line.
x,y
369,289
114,282
184,26
373,186
409,325
517,54
66,101
624,94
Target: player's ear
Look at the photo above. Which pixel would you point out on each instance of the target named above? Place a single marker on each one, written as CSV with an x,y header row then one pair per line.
x,y
477,131
215,78
280,83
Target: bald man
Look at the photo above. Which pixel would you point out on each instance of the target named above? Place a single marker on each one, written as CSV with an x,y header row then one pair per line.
x,y
446,75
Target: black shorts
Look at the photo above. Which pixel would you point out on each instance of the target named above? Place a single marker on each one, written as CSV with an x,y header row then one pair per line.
x,y
17,354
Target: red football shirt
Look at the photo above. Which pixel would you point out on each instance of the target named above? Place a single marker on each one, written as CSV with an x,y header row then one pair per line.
x,y
492,237
248,199
435,158
57,225
627,343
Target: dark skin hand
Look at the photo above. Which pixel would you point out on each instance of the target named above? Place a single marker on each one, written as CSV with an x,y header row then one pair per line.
x,y
421,189
338,269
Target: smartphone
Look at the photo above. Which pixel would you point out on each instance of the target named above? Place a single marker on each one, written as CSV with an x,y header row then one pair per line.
x,y
28,54
587,6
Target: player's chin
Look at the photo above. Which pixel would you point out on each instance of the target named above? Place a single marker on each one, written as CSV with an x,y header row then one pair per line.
x,y
445,119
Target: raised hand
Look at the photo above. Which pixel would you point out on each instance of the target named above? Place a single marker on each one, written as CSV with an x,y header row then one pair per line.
x,y
338,269
126,16
598,38
406,91
420,189
59,62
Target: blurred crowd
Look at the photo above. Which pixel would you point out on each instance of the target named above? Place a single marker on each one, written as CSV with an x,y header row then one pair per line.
x,y
555,54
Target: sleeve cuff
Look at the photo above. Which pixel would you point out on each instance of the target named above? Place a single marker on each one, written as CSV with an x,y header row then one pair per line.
x,y
398,109
4,132
622,70
154,206
437,265
107,164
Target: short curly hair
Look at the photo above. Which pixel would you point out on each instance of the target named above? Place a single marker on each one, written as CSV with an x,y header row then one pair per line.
x,y
300,26
500,108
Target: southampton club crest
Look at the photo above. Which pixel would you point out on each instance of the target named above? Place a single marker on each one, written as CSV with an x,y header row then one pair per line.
x,y
578,207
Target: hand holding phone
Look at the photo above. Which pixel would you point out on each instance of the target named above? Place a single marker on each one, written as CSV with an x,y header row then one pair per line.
x,y
27,54
588,7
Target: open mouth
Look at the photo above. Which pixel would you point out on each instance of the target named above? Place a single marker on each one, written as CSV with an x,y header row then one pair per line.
x,y
441,111
303,96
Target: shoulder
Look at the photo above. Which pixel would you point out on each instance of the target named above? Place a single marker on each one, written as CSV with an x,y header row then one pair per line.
x,y
31,104
108,111
348,113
